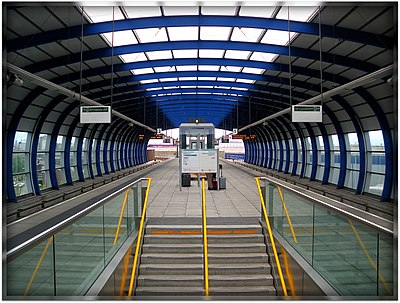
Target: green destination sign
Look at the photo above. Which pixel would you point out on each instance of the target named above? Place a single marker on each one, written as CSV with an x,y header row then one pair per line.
x,y
307,108
95,109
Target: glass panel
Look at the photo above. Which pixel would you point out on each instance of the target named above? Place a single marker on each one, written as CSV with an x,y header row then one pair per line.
x,y
377,161
21,275
42,145
20,163
385,265
80,254
21,185
351,179
20,141
60,143
375,183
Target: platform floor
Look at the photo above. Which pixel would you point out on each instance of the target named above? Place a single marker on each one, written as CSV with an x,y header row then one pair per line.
x,y
239,199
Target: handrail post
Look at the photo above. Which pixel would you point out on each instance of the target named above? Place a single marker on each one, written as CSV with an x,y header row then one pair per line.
x,y
140,233
278,264
205,244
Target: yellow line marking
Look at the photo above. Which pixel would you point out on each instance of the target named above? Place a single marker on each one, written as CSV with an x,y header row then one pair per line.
x,y
245,231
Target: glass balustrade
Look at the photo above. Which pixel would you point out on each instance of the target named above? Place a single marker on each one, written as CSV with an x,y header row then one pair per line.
x,y
68,261
354,258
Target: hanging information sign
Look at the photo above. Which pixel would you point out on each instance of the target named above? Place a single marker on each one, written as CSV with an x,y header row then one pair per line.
x,y
307,113
95,114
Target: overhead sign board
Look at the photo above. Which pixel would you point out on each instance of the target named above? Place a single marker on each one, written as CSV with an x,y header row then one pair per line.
x,y
307,113
157,136
159,130
243,137
199,161
95,114
235,131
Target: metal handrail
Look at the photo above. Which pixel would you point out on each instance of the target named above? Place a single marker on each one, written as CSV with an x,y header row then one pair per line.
x,y
348,211
205,242
120,216
23,247
278,263
140,234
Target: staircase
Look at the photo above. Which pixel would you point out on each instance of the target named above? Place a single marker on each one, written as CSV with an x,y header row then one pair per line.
x,y
172,261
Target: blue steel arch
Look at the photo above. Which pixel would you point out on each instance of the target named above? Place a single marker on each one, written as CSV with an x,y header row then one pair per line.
x,y
98,147
200,20
279,127
303,148
79,153
281,121
91,137
314,162
278,143
106,150
68,140
327,153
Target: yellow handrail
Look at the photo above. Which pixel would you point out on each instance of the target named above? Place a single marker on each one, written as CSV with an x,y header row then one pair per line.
x,y
135,260
203,190
278,264
287,214
369,258
120,216
37,266
125,270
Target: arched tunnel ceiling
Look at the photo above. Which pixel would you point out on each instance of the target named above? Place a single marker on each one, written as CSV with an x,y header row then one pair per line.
x,y
230,65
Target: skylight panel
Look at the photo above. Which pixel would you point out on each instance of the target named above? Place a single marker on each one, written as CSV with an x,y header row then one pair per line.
x,y
201,93
214,33
218,10
211,53
204,86
134,57
187,86
180,10
297,13
246,34
277,37
207,78
151,89
183,33
141,71
234,69
186,68
185,53
245,81
187,78
209,67
168,79
121,38
148,81
240,88
162,69
234,54
265,57
170,87
252,70
223,87
257,11
226,79
156,55
152,35
142,11
103,13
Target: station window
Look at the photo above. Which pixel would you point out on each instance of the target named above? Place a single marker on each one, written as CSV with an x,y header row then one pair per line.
x,y
335,159
320,157
353,160
284,153
291,155
20,164
299,156
43,161
85,158
94,169
308,157
278,154
59,159
73,158
375,162
116,156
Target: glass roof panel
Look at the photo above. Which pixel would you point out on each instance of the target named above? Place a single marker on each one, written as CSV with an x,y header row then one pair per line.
x,y
277,37
183,33
265,57
168,79
211,53
121,38
214,33
185,53
200,93
180,10
127,58
159,55
151,89
148,81
235,54
218,10
257,11
152,34
162,69
234,69
209,67
141,71
245,81
240,88
187,86
223,87
251,70
186,68
204,86
226,79
297,13
206,78
187,78
142,11
246,34
103,13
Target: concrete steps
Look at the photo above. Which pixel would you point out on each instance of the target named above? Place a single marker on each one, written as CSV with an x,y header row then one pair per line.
x,y
172,261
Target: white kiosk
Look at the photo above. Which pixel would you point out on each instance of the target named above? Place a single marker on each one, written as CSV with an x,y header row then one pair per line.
x,y
197,153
